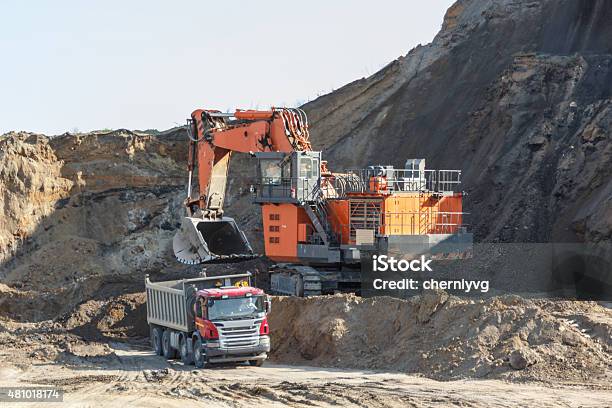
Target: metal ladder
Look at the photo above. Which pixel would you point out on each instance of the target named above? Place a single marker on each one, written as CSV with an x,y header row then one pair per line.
x,y
317,212
423,217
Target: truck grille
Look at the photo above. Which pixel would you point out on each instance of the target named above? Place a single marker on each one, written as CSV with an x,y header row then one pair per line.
x,y
238,337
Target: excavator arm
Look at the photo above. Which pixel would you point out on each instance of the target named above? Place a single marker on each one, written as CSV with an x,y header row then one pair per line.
x,y
206,234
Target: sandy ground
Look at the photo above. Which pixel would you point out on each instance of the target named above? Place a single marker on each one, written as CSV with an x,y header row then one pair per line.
x,y
135,377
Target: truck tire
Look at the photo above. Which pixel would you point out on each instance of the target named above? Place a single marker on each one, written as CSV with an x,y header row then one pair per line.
x,y
186,356
256,363
199,357
156,340
169,352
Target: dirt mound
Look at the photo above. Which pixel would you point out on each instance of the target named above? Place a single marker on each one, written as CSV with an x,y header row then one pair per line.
x,y
79,337
444,337
123,317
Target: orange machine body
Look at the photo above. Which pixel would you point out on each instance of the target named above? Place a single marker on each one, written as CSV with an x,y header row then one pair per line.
x,y
285,225
421,213
309,213
318,225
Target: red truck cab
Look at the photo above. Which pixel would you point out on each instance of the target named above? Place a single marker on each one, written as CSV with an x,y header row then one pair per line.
x,y
232,322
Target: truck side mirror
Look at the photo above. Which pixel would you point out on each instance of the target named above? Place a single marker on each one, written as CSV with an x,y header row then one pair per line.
x,y
268,305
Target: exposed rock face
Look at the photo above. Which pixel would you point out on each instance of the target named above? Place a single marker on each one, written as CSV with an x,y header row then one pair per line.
x,y
81,211
30,185
517,94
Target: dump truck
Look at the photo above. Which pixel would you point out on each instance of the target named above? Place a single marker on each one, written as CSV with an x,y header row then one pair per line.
x,y
208,320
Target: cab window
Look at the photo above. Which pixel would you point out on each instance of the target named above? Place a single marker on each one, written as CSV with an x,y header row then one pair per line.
x,y
270,172
306,169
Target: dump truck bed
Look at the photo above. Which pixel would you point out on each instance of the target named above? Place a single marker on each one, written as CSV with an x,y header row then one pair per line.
x,y
170,303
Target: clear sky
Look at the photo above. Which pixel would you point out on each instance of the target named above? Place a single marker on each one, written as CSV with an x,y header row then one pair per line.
x,y
147,64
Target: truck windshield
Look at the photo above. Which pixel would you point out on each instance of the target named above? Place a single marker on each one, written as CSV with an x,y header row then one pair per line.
x,y
236,308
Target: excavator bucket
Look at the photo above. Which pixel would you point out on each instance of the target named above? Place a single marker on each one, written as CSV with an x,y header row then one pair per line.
x,y
199,241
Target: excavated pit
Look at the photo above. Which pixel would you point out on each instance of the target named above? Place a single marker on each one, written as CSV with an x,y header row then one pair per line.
x,y
524,112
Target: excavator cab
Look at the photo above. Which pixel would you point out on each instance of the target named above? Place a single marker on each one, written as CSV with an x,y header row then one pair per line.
x,y
287,177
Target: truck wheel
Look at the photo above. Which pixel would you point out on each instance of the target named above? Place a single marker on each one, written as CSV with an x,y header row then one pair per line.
x,y
169,352
186,356
256,363
199,357
156,340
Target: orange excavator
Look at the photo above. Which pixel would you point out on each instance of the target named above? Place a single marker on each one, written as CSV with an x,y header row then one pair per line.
x,y
317,225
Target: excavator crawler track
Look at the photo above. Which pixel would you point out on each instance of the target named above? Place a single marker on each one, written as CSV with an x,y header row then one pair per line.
x,y
295,280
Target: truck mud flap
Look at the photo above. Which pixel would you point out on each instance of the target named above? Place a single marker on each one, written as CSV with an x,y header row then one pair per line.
x,y
202,241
